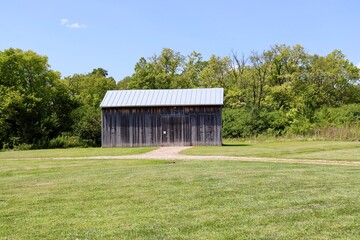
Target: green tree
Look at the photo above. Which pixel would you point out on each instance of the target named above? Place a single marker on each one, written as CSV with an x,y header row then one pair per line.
x,y
32,97
89,90
191,69
123,84
332,81
215,74
159,72
100,71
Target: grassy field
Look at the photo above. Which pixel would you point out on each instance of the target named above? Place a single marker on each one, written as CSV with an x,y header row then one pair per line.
x,y
72,152
154,199
317,150
151,199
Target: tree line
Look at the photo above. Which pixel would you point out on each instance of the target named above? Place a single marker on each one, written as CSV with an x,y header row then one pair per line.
x,y
39,109
281,91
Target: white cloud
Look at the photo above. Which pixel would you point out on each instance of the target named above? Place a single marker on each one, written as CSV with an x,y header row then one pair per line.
x,y
67,23
358,65
64,21
77,25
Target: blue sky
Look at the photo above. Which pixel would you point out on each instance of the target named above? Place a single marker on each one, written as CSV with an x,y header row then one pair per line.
x,y
79,35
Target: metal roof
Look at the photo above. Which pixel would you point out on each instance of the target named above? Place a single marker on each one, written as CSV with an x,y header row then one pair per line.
x,y
163,97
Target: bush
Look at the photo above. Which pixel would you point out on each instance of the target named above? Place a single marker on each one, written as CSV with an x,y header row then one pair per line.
x,y
236,123
301,126
338,116
15,144
24,146
338,123
243,123
64,141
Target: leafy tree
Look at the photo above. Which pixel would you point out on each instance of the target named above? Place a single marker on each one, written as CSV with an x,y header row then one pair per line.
x,y
332,81
32,96
279,89
286,81
123,84
258,77
100,71
89,90
215,74
282,90
191,69
159,72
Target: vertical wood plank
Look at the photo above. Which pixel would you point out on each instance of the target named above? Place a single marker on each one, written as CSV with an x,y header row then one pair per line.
x,y
201,125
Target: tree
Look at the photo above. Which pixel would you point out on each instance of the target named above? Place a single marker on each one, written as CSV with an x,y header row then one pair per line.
x,y
123,84
332,80
215,74
100,71
32,96
89,90
258,77
191,69
158,72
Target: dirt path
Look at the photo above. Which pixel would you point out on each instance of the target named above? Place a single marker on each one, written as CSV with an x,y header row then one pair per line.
x,y
173,153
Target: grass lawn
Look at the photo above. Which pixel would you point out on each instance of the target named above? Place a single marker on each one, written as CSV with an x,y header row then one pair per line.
x,y
150,199
318,150
72,152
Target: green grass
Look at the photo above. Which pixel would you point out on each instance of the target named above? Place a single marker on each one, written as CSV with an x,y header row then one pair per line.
x,y
150,199
73,152
317,150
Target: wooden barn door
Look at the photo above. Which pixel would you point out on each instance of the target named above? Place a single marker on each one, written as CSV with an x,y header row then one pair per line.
x,y
209,123
203,129
175,130
165,131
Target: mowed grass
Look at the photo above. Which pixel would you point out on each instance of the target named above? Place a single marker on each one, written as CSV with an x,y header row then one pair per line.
x,y
153,199
73,152
317,150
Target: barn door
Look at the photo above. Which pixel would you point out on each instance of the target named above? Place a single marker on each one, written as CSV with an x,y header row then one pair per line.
x,y
203,129
175,130
209,123
165,131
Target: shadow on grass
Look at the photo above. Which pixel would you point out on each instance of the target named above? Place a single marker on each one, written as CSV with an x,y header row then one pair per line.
x,y
235,145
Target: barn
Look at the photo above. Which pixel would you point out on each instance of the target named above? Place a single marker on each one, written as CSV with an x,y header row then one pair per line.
x,y
171,117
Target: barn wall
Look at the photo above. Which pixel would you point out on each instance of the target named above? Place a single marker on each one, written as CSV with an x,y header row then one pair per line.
x,y
161,126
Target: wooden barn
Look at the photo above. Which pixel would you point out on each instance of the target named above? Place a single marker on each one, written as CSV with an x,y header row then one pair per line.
x,y
174,117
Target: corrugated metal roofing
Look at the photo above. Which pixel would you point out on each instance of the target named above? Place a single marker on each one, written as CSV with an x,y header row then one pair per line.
x,y
163,97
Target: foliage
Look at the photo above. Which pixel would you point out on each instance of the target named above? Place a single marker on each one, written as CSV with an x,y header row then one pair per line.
x,y
65,141
88,90
339,115
282,91
339,122
35,105
237,123
275,93
159,72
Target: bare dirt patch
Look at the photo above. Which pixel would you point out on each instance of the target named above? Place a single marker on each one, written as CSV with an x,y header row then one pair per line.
x,y
173,153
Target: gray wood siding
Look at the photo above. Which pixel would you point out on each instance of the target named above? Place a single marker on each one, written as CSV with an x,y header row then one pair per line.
x,y
161,126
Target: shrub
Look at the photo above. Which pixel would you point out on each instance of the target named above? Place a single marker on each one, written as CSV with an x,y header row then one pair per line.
x,y
236,123
338,123
243,123
338,116
64,141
